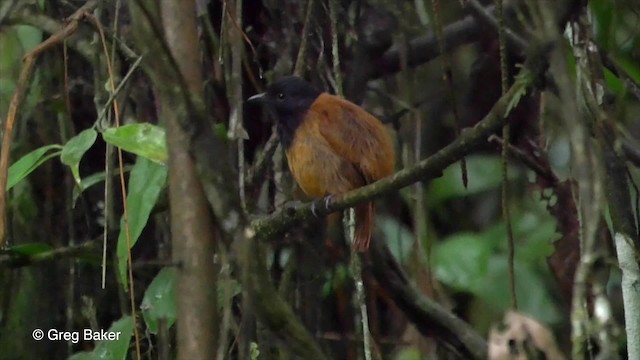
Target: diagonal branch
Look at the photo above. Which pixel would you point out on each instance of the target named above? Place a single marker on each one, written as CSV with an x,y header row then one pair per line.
x,y
429,317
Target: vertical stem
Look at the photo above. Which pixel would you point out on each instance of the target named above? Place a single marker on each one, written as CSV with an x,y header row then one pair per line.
x,y
356,271
302,52
335,51
506,213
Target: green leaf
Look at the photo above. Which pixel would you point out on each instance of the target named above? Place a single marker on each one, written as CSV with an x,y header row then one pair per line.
x,y
399,238
159,302
254,351
603,14
29,36
493,290
485,173
110,349
84,355
75,148
142,139
28,163
28,249
461,261
465,263
145,184
115,349
410,353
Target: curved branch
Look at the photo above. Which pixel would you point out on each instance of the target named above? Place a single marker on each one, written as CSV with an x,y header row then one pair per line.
x,y
429,317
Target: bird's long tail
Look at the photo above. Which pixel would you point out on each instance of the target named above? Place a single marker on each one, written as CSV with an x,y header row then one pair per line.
x,y
365,214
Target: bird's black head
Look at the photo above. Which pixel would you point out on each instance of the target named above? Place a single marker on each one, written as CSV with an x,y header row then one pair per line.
x,y
288,99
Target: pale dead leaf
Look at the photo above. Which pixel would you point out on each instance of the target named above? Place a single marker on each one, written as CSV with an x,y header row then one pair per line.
x,y
520,337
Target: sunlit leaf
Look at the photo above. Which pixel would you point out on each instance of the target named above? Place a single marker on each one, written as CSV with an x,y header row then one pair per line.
x,y
75,148
146,181
29,36
159,302
143,139
28,163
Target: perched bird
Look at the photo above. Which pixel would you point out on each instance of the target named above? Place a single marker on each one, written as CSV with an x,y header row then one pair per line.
x,y
332,144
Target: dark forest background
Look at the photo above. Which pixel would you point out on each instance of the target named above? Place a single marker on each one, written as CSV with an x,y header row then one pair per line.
x,y
144,196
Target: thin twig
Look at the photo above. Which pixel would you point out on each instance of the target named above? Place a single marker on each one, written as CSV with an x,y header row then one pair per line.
x,y
116,112
506,134
18,96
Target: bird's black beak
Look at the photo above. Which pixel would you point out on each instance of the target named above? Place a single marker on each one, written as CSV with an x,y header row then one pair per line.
x,y
258,98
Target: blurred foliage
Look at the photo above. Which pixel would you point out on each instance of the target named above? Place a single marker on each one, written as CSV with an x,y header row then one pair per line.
x,y
54,204
146,182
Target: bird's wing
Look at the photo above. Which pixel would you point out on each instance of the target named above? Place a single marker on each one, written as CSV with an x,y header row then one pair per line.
x,y
355,135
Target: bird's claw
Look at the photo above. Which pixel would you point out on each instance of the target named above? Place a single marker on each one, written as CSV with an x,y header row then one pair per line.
x,y
326,202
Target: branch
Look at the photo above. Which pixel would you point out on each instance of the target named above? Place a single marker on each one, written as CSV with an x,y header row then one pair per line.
x,y
485,16
27,16
21,91
17,261
429,317
430,167
425,48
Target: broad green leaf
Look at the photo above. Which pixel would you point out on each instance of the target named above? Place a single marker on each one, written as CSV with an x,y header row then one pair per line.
x,y
115,349
532,292
146,181
29,249
461,261
28,163
143,139
29,36
84,355
485,173
399,238
110,349
466,262
159,302
75,148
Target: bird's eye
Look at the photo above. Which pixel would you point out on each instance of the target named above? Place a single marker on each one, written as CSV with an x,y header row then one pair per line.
x,y
280,96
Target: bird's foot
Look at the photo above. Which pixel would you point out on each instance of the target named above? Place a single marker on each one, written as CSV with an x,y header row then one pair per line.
x,y
326,202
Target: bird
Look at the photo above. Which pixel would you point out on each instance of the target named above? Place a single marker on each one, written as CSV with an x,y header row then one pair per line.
x,y
332,145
